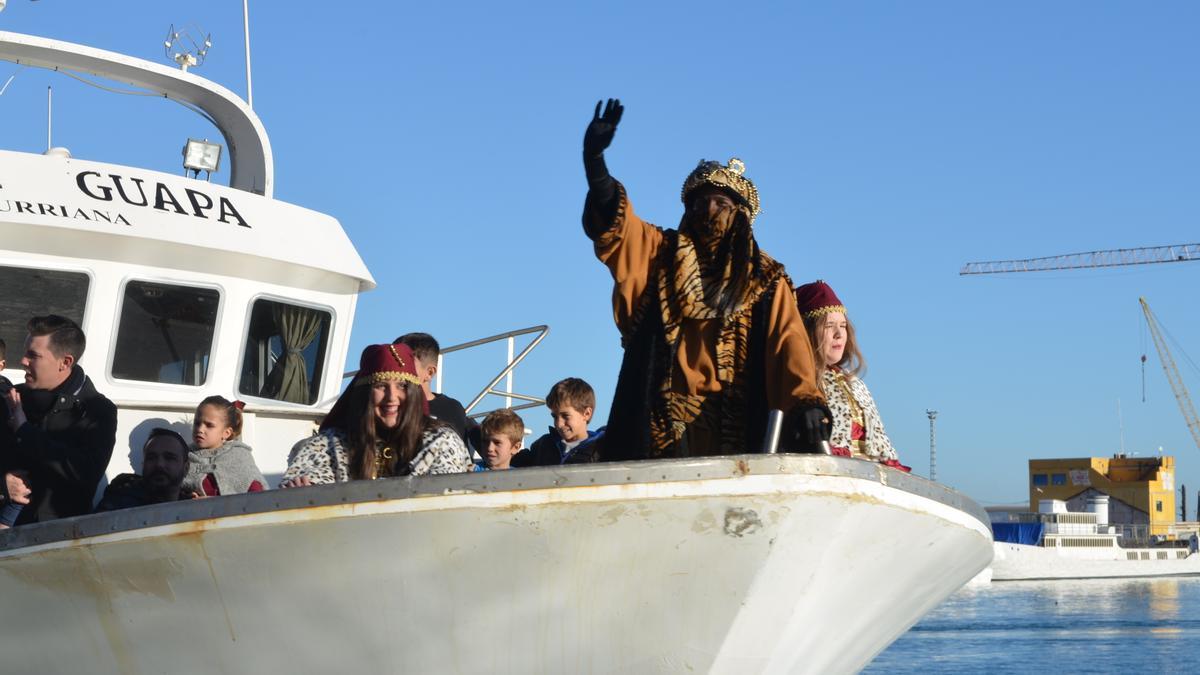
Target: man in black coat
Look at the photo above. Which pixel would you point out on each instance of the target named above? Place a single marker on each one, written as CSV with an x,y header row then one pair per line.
x,y
60,429
164,466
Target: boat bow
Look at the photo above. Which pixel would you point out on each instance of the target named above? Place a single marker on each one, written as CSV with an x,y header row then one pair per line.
x,y
772,563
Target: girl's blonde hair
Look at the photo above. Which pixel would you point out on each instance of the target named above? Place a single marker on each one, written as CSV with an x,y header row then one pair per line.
x,y
852,361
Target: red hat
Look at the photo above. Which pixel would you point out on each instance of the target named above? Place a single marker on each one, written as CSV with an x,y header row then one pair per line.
x,y
378,363
817,299
383,363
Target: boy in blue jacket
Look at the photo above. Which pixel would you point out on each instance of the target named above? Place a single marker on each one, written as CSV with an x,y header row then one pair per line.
x,y
571,403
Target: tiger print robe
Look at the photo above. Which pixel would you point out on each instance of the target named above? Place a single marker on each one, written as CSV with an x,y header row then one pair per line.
x,y
694,382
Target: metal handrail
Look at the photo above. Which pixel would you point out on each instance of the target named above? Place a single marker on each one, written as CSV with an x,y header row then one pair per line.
x,y
505,372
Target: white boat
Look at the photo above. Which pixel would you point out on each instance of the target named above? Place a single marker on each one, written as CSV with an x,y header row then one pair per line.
x,y
771,563
762,563
1057,544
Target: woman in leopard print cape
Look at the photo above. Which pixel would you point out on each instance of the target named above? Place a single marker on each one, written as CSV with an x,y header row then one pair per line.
x,y
857,428
326,457
379,427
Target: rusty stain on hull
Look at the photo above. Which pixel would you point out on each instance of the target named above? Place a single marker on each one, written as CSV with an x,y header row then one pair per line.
x,y
610,516
198,539
740,522
704,522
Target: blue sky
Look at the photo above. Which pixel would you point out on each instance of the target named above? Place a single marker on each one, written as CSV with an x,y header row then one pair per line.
x,y
891,143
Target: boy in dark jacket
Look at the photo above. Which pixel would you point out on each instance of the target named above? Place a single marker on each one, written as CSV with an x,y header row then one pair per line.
x,y
571,403
60,429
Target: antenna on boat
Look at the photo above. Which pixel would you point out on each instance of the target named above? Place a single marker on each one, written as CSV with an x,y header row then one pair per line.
x,y
188,51
50,149
932,414
246,29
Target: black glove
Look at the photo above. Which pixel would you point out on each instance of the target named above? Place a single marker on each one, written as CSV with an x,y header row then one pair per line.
x,y
597,138
602,189
806,427
600,131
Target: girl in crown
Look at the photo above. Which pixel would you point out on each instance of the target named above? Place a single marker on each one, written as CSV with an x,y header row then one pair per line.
x,y
857,428
379,427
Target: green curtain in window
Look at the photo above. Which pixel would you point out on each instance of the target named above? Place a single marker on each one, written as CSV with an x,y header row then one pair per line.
x,y
297,328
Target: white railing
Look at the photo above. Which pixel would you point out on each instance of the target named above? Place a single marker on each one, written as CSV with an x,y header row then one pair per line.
x,y
506,372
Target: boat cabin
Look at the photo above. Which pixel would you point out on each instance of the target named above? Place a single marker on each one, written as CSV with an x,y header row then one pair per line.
x,y
184,288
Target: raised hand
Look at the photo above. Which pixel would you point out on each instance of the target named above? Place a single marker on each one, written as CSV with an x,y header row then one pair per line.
x,y
16,414
603,126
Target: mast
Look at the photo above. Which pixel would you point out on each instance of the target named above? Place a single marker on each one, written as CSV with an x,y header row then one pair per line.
x,y
246,29
932,414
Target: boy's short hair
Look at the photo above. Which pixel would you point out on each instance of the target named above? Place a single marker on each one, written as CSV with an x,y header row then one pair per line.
x,y
3,351
423,346
503,421
66,337
572,392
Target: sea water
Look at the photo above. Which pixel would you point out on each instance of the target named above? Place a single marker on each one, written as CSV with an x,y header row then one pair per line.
x,y
1079,626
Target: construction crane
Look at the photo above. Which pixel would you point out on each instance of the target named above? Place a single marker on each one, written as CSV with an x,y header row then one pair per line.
x,y
1114,258
1168,364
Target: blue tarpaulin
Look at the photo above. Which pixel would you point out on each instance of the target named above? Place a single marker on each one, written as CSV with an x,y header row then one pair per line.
x,y
1017,533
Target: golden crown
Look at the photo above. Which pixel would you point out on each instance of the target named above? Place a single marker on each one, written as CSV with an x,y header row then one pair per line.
x,y
709,172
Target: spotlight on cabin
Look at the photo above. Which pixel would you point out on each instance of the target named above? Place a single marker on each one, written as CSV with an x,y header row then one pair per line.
x,y
201,156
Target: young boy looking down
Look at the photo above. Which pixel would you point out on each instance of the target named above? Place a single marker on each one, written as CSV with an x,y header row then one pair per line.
x,y
571,403
502,433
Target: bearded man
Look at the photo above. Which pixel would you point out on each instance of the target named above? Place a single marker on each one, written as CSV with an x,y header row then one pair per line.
x,y
713,340
164,466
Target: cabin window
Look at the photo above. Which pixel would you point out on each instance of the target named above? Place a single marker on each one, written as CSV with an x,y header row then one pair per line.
x,y
1058,479
285,352
26,292
166,333
1039,479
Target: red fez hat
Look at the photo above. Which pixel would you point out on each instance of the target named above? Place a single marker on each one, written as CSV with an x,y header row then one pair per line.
x,y
378,363
384,363
817,299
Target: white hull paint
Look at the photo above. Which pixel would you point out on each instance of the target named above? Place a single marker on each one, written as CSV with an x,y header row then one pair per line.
x,y
745,564
1019,562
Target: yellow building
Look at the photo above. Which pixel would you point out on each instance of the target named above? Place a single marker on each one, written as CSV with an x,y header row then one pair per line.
x,y
1141,490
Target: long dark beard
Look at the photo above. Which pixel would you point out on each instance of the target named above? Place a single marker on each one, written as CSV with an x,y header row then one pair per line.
x,y
708,231
725,253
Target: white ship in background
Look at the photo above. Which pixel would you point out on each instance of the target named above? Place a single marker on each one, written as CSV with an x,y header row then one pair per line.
x,y
1057,544
752,563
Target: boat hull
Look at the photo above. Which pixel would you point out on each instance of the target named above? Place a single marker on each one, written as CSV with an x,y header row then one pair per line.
x,y
1020,562
743,564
